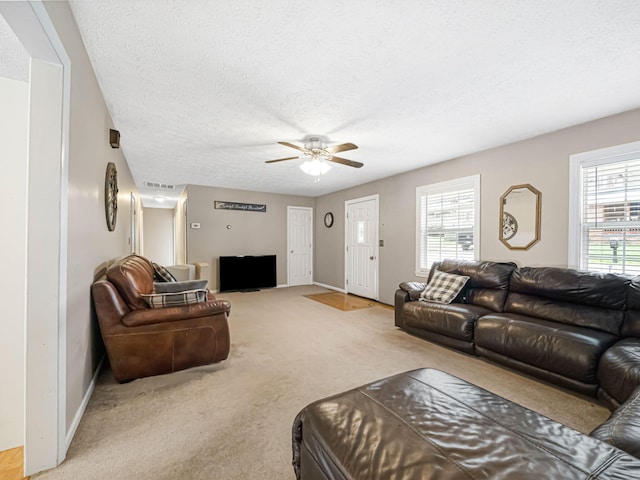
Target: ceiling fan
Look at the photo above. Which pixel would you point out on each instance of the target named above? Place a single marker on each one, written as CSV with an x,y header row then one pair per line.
x,y
316,150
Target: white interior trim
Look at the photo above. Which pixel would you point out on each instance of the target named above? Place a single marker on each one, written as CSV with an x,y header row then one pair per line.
x,y
64,438
446,186
310,209
330,287
347,203
83,406
602,156
45,332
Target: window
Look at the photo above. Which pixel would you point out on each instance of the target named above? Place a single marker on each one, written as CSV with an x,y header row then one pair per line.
x,y
447,222
604,223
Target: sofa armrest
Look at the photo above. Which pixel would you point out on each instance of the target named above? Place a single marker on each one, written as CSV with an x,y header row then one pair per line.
x,y
413,289
152,316
408,291
622,429
619,372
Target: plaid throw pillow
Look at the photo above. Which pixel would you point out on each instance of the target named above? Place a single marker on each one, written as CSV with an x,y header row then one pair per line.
x,y
161,300
161,274
443,287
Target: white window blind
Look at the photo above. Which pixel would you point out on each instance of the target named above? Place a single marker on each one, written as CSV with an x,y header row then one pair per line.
x,y
446,224
610,211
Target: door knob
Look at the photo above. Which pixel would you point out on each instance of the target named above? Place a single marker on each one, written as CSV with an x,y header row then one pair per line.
x,y
372,257
291,251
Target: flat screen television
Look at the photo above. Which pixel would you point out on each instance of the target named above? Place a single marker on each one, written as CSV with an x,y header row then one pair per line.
x,y
247,272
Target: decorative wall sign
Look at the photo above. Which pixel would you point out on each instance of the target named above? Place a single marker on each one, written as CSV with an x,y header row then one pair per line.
x,y
247,207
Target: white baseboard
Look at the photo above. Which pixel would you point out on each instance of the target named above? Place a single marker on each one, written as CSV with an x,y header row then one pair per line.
x,y
330,287
284,285
83,406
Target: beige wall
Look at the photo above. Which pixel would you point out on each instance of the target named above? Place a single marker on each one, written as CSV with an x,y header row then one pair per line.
x,y
158,235
14,98
251,233
89,241
541,161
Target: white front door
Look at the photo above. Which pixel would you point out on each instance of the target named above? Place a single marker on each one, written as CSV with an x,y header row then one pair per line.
x,y
300,235
361,243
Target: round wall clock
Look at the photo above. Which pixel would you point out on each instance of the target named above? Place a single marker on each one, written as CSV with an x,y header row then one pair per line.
x,y
111,196
328,219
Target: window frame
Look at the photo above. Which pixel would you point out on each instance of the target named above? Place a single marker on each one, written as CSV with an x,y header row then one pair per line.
x,y
472,181
602,156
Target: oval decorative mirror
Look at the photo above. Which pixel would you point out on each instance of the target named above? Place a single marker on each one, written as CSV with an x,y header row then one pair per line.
x,y
520,217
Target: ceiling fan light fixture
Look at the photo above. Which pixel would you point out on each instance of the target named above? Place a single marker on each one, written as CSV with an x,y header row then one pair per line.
x,y
314,166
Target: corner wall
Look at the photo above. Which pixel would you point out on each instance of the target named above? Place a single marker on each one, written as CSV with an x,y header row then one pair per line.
x,y
250,233
14,98
158,227
541,161
180,233
90,243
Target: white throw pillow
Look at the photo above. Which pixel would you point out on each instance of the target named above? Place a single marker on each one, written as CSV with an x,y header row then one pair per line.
x,y
443,287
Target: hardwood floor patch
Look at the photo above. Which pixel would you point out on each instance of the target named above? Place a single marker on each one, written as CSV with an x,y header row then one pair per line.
x,y
11,464
342,301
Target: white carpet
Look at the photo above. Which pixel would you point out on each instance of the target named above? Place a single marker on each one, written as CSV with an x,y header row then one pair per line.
x,y
233,421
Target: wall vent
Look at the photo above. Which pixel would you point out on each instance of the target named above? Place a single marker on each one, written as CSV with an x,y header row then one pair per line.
x,y
162,186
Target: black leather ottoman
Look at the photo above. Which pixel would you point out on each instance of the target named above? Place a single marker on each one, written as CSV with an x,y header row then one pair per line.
x,y
426,424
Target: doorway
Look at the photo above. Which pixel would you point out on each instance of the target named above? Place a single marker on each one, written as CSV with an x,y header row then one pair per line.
x,y
361,246
45,375
299,246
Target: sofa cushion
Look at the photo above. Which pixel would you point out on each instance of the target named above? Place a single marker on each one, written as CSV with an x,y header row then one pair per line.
x,y
488,281
619,370
568,350
162,300
443,287
132,277
622,429
175,287
454,320
586,299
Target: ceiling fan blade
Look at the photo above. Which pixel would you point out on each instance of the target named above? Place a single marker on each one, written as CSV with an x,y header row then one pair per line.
x,y
287,144
344,161
281,159
341,148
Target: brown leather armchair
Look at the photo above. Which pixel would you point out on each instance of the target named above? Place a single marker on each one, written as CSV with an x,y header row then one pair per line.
x,y
143,341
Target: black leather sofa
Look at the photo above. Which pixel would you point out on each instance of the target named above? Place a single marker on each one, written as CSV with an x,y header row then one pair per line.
x,y
428,425
576,329
579,330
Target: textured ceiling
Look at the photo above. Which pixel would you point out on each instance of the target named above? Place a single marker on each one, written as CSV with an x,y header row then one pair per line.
x,y
15,60
201,90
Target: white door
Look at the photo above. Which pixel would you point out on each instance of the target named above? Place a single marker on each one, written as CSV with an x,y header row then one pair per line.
x,y
300,245
361,243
